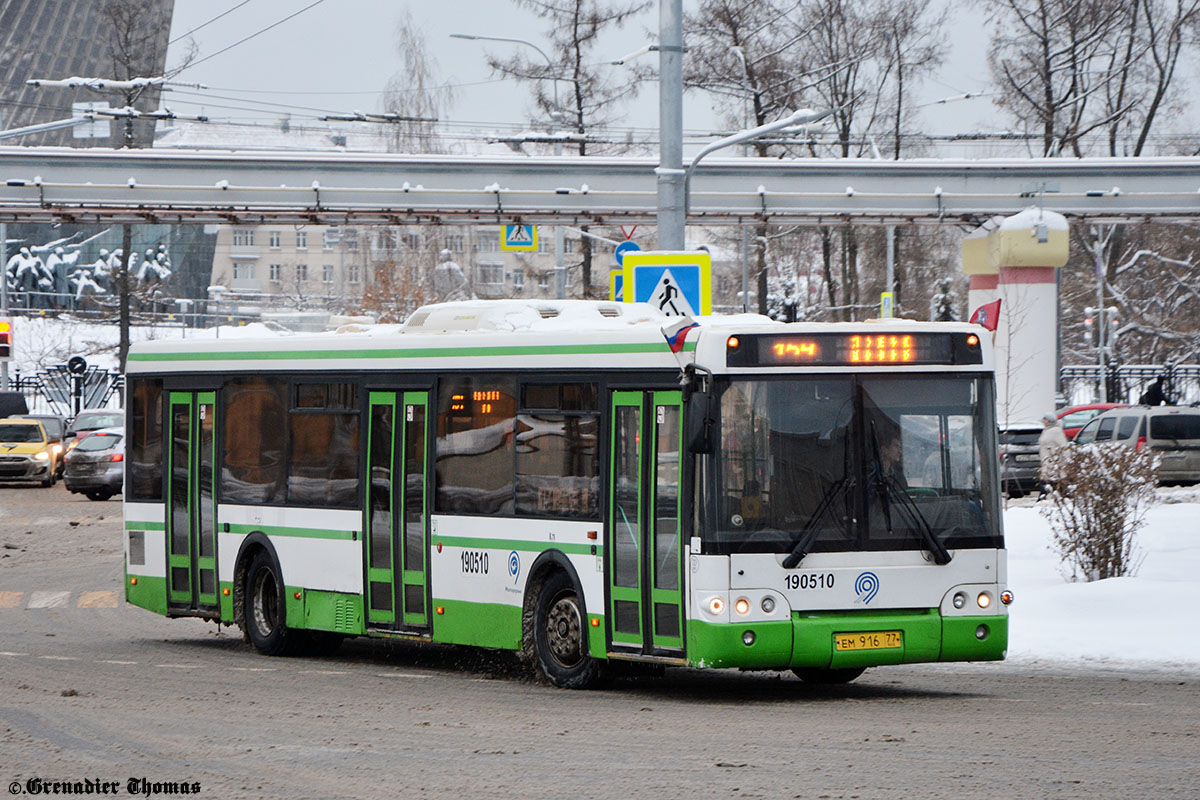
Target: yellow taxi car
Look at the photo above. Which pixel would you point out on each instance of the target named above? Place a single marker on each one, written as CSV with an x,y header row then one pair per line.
x,y
27,452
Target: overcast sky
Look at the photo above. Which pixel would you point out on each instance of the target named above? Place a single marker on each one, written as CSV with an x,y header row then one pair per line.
x,y
337,56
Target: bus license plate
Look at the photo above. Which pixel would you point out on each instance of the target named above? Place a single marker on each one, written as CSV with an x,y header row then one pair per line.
x,y
868,640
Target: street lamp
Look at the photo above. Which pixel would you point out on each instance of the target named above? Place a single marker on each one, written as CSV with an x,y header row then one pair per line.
x,y
802,117
549,62
560,270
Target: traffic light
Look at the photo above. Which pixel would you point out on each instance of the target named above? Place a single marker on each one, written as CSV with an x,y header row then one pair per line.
x,y
6,332
1094,329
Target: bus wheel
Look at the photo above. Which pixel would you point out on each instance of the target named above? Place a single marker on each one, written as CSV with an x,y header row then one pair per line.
x,y
265,608
828,676
559,636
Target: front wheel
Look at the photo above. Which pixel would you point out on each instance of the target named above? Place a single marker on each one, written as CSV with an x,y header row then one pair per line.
x,y
559,636
265,608
98,494
828,676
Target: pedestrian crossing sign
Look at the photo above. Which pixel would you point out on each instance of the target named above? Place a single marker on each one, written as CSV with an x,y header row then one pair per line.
x,y
677,283
519,237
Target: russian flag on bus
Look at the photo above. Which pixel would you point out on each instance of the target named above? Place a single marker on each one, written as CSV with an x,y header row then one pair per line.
x,y
676,334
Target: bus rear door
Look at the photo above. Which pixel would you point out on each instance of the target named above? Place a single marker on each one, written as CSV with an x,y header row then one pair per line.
x,y
396,516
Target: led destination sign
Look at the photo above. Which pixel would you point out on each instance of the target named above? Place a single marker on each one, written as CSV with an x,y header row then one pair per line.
x,y
853,349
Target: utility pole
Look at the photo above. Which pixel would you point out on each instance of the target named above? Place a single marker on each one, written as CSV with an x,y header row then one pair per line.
x,y
672,218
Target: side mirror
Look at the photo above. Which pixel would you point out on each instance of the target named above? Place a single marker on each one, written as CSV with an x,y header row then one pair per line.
x,y
699,421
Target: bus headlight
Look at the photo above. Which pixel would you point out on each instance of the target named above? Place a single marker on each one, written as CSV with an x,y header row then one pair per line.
x,y
960,599
716,605
748,638
768,605
1006,597
984,600
742,606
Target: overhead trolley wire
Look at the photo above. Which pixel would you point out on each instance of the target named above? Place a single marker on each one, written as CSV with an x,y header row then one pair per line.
x,y
206,24
256,33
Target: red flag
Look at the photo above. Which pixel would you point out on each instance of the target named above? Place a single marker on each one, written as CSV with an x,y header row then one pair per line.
x,y
987,315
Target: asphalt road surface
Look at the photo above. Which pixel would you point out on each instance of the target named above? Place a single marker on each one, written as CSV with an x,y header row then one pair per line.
x,y
91,689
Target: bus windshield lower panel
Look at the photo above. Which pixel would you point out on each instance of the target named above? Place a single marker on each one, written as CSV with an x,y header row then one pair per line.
x,y
857,462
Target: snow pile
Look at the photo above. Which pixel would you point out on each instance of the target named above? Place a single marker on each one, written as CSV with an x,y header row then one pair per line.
x,y
1135,621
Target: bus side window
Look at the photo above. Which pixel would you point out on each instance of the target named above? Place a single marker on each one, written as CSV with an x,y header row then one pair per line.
x,y
255,428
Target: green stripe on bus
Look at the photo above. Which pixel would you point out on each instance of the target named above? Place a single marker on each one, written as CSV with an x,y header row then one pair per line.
x,y
517,544
439,352
306,533
131,525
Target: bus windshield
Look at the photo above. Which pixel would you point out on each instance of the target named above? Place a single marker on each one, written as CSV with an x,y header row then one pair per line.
x,y
880,462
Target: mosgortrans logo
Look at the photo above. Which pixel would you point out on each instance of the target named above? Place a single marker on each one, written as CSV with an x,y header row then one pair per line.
x,y
136,787
866,586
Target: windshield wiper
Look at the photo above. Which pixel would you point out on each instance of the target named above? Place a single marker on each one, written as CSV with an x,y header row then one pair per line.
x,y
808,533
940,554
887,489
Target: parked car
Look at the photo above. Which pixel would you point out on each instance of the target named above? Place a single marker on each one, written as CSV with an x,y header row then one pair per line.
x,y
93,419
1171,431
1074,418
27,453
56,429
96,465
1020,465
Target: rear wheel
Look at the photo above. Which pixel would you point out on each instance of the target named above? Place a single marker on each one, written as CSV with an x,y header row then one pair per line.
x,y
265,608
828,676
559,636
98,494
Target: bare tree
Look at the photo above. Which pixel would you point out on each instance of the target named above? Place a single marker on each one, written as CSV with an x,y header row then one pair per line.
x,y
1055,61
595,94
414,92
859,57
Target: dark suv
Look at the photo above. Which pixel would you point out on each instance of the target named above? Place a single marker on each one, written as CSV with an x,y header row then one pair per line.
x,y
1020,465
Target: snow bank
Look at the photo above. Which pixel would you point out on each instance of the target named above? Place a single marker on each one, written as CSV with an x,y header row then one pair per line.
x,y
1134,621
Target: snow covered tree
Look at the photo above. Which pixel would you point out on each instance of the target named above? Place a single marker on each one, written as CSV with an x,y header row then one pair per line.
x,y
943,304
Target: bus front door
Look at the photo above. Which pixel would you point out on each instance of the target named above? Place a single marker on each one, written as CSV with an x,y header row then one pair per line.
x,y
191,515
644,532
396,518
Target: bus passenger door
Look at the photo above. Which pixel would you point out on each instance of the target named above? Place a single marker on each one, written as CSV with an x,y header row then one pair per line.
x,y
191,516
397,545
644,531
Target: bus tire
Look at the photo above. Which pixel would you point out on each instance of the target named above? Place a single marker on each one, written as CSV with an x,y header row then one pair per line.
x,y
560,635
265,607
828,677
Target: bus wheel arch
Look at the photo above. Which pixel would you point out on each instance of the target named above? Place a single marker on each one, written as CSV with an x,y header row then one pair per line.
x,y
259,602
554,636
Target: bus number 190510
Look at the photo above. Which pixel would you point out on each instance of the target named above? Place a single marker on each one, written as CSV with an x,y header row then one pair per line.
x,y
474,562
809,580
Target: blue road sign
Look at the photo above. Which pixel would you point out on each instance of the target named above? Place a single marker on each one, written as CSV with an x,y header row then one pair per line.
x,y
623,248
519,237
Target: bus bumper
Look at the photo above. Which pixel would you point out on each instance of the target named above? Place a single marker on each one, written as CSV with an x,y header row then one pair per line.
x,y
808,640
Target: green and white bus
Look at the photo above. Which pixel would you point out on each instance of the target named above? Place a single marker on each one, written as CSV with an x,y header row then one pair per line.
x,y
584,482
